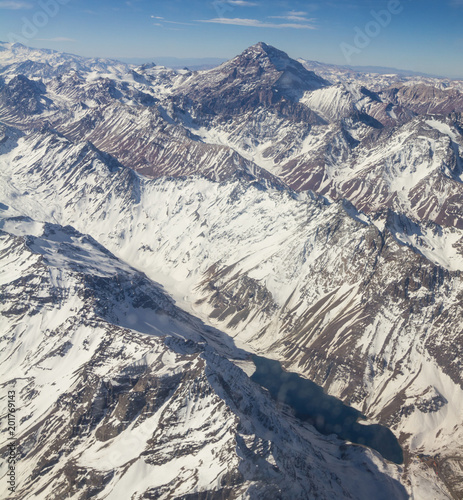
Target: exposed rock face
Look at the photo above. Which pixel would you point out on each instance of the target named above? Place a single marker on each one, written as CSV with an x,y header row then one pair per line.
x,y
424,99
22,96
260,76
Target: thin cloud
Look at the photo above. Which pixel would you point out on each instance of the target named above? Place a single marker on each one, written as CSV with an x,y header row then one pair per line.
x,y
56,39
297,13
176,22
13,5
255,23
162,22
456,3
294,16
242,3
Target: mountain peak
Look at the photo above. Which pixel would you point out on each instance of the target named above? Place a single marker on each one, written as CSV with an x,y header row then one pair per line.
x,y
262,49
291,73
261,46
260,76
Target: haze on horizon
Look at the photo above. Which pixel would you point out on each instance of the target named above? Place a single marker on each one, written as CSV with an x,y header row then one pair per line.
x,y
423,36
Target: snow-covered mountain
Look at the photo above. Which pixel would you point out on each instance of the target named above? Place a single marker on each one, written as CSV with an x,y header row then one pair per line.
x,y
263,112
375,78
123,395
16,58
204,182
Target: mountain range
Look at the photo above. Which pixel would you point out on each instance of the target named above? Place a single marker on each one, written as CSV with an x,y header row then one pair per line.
x,y
159,228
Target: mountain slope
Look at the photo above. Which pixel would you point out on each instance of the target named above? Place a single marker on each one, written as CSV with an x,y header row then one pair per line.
x,y
108,412
337,296
261,75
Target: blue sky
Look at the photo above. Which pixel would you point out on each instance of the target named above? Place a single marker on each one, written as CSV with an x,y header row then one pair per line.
x,y
420,35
